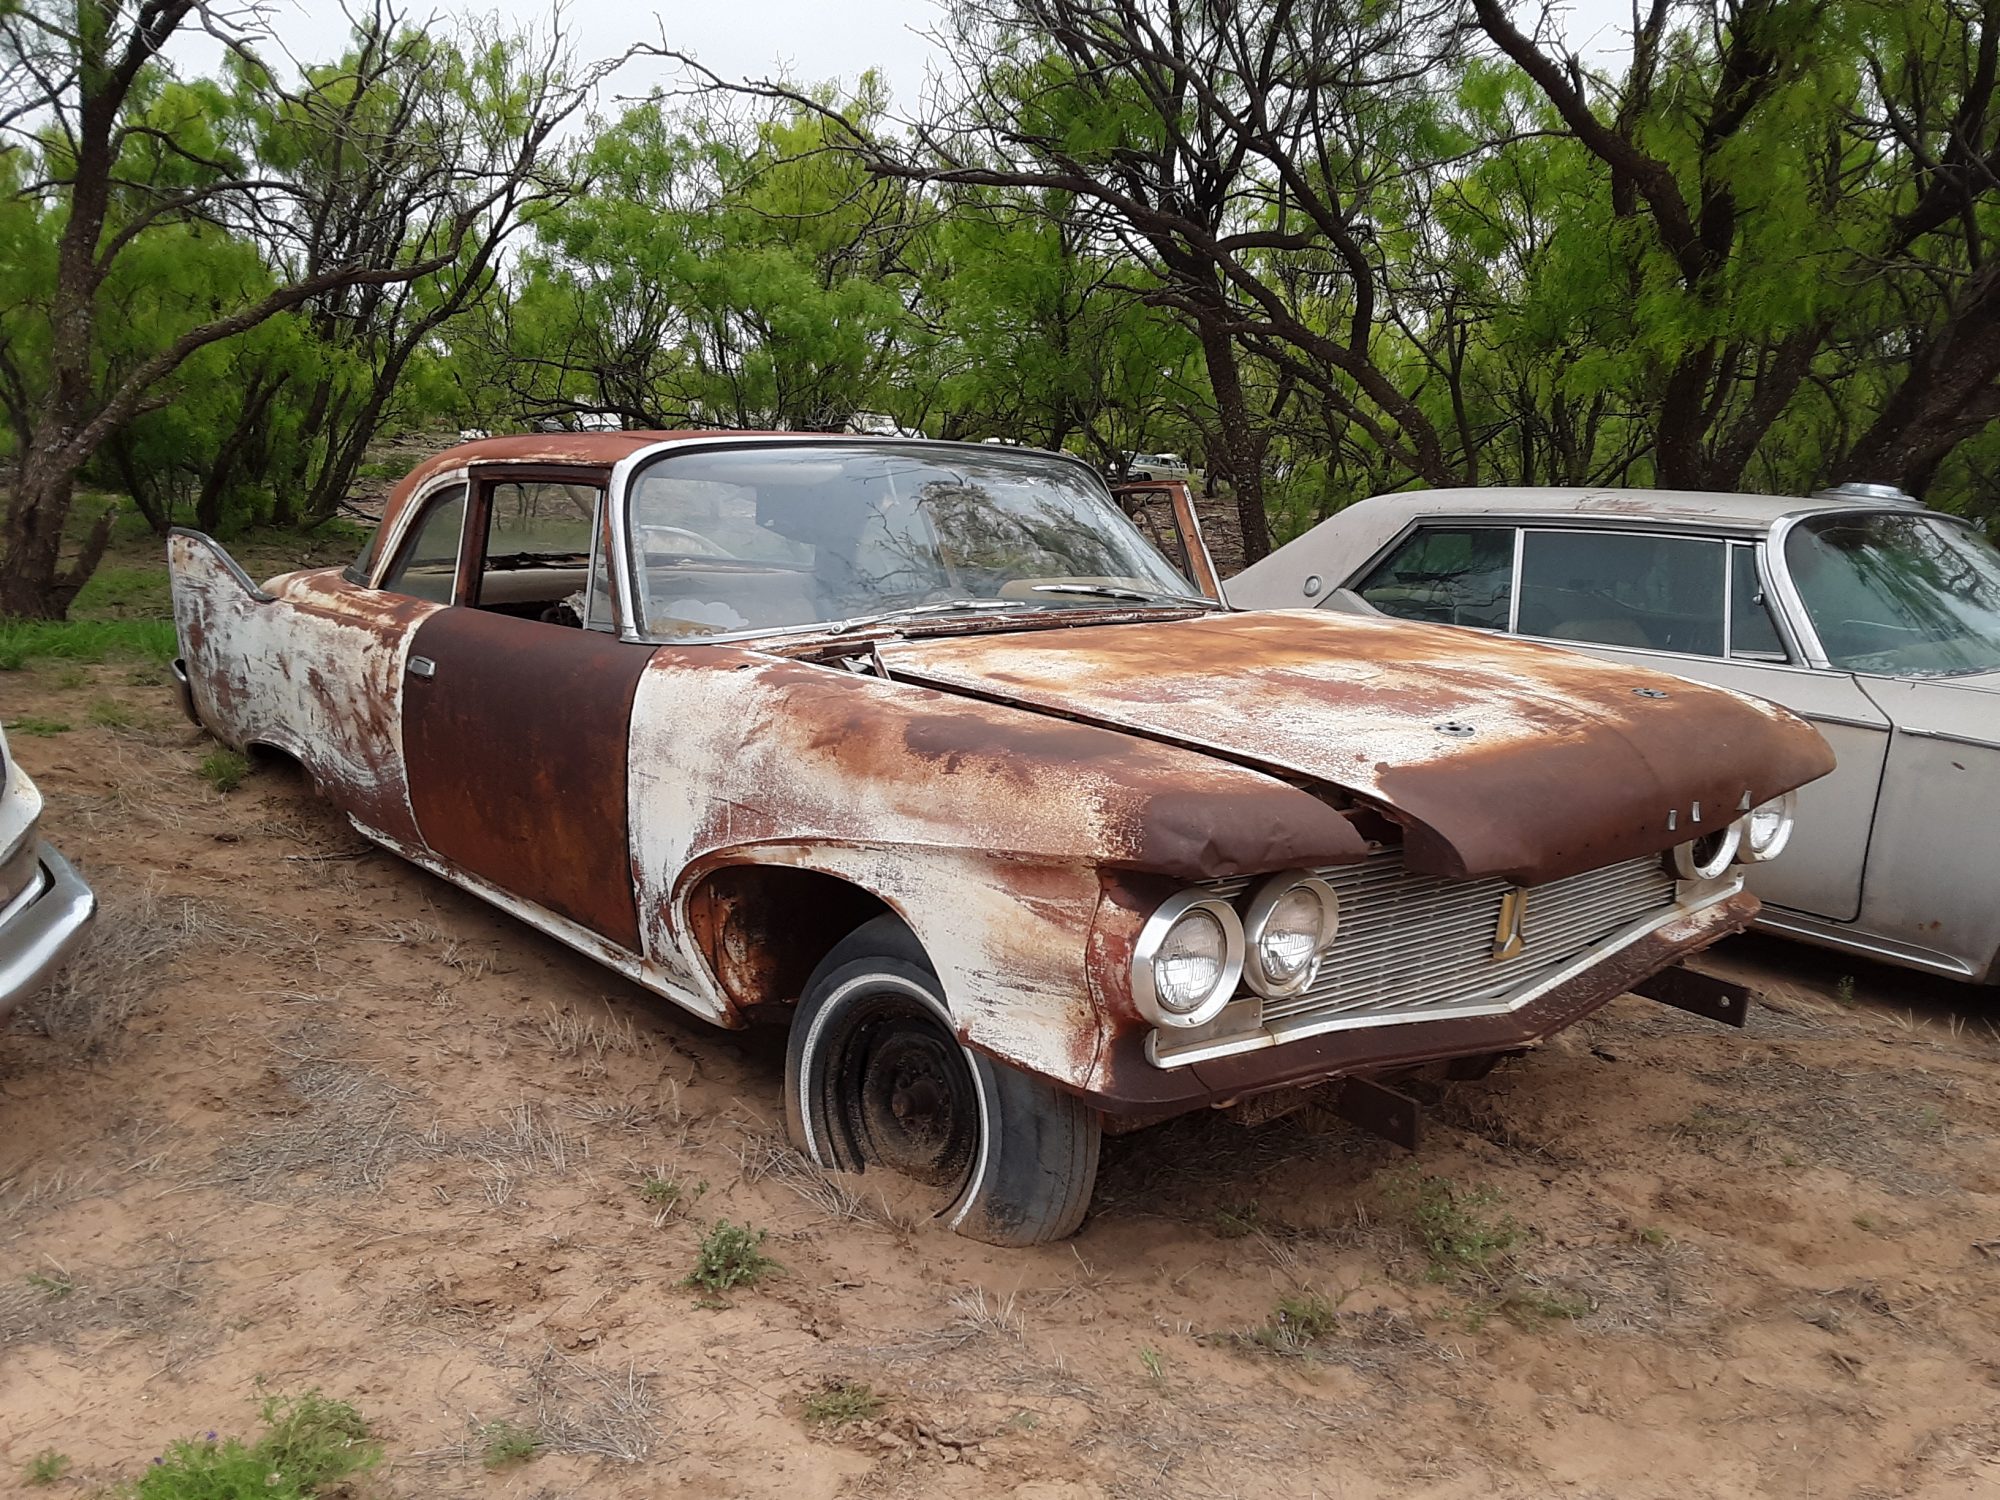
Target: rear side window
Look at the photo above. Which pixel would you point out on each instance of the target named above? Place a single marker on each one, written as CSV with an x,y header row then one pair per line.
x,y
1753,634
429,564
1660,593
1457,575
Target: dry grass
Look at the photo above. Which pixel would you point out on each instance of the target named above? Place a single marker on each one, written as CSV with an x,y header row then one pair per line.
x,y
53,1303
604,1413
139,942
345,1133
834,1196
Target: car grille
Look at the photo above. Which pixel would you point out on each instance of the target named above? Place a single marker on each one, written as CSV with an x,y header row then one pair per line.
x,y
1417,947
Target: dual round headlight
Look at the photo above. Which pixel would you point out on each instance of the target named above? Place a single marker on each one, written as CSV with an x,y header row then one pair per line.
x,y
1195,949
1759,835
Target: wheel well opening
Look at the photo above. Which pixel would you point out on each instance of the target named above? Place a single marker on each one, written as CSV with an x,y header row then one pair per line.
x,y
764,928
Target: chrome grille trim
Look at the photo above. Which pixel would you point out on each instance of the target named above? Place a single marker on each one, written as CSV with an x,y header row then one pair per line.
x,y
1420,948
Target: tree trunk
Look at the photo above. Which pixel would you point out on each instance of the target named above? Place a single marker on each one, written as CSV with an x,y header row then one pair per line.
x,y
1240,442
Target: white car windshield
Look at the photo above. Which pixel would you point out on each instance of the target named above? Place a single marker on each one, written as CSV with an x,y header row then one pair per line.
x,y
1899,593
778,536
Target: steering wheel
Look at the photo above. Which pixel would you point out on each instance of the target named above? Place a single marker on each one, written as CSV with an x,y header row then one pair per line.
x,y
692,543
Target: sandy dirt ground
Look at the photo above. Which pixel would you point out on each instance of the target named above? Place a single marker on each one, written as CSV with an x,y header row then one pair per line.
x,y
306,1116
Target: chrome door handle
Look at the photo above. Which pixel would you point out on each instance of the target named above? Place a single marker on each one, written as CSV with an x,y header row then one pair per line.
x,y
422,666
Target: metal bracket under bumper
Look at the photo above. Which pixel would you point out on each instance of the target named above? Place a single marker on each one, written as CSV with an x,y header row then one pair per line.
x,y
1700,994
42,927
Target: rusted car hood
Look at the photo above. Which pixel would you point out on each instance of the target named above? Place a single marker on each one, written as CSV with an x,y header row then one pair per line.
x,y
1569,763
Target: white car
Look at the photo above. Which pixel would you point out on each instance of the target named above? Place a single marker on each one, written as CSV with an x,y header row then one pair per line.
x,y
44,904
1864,613
1156,466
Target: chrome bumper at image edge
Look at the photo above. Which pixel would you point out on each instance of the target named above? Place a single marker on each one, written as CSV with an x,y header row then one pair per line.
x,y
42,926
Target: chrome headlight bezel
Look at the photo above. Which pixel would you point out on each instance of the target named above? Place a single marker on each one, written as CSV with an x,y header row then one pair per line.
x,y
1256,919
1152,940
1690,864
1787,808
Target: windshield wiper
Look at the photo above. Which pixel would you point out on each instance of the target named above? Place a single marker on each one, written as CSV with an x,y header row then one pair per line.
x,y
1113,591
917,611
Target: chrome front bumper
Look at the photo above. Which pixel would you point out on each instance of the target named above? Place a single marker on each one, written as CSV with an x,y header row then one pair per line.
x,y
41,925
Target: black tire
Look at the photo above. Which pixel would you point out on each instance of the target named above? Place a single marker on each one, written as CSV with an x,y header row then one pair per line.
x,y
876,1079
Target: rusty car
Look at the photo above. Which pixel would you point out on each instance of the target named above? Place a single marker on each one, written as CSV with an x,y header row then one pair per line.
x,y
1873,618
920,749
45,906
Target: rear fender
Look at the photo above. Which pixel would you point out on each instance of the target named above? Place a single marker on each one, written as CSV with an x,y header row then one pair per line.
x,y
314,669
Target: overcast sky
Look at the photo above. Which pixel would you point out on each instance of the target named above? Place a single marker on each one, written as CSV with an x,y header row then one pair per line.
x,y
810,40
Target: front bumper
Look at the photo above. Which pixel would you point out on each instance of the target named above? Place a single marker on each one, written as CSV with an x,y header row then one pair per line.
x,y
41,926
1133,1085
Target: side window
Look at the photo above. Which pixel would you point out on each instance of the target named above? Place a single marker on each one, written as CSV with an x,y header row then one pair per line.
x,y
1661,593
1462,575
1753,634
539,552
429,564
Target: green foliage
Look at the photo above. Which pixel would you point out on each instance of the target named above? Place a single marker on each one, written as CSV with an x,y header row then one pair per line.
x,y
1299,1321
730,1256
112,714
58,1287
45,1467
223,769
504,1443
309,1443
841,1402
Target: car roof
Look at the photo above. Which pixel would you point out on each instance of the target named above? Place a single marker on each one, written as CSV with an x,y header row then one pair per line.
x,y
1350,537
600,450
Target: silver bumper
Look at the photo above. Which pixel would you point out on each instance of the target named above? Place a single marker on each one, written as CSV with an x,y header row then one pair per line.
x,y
41,926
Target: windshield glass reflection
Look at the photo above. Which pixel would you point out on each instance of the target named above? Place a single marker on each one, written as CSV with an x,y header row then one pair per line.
x,y
1901,594
780,536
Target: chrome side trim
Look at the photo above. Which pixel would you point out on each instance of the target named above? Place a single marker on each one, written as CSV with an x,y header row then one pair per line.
x,y
1846,939
1949,739
641,971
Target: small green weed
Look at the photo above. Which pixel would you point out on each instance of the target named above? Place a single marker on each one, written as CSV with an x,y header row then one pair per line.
x,y
223,769
112,714
69,679
1844,991
308,1442
670,1195
1239,1222
1458,1233
1657,1238
1155,1365
508,1444
1538,1305
56,1287
35,724
1867,1221
730,1256
1297,1323
841,1402
46,1467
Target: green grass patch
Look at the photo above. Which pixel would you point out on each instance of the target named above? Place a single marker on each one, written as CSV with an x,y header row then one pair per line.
x,y
37,725
308,1444
731,1255
116,593
223,769
45,1467
112,714
1455,1225
841,1402
1297,1323
24,641
505,1443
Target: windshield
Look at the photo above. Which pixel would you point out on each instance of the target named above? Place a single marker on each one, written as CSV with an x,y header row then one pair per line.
x,y
1899,593
778,536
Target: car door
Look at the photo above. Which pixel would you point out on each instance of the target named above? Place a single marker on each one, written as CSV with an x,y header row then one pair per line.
x,y
1163,510
517,706
1693,605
